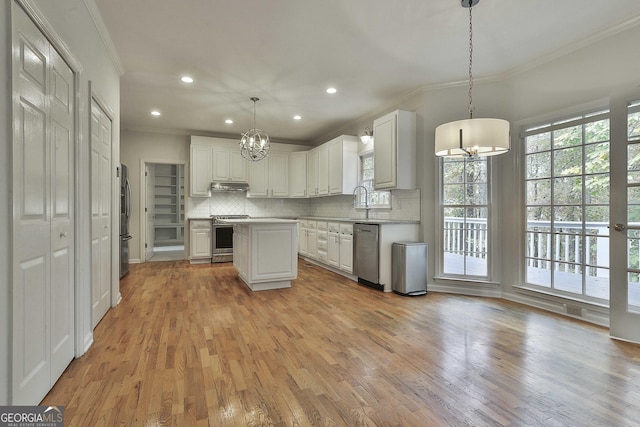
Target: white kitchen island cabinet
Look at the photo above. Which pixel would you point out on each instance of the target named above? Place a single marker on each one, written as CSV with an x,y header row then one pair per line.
x,y
265,252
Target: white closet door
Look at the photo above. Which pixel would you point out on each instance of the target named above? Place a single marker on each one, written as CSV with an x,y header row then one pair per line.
x,y
43,193
100,212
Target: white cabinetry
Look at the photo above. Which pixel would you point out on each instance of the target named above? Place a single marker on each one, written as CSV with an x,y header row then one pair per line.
x,y
333,244
346,247
200,240
228,165
258,264
270,177
343,164
394,151
321,241
200,170
312,172
323,170
302,237
312,240
298,174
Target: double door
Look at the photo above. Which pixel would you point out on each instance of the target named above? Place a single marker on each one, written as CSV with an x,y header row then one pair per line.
x,y
43,212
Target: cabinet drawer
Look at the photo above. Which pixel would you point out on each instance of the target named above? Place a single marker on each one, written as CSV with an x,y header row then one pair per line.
x,y
321,226
322,245
200,224
346,229
312,224
334,227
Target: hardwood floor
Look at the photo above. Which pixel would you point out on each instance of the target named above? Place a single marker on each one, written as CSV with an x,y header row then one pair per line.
x,y
191,345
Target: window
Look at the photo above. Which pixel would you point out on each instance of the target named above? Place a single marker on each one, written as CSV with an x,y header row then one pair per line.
x,y
465,214
567,206
377,199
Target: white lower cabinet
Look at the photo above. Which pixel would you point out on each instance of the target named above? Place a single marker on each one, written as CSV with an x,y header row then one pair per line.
x,y
330,243
200,240
346,247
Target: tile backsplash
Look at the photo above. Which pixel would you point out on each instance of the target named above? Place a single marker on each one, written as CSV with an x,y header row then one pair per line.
x,y
405,205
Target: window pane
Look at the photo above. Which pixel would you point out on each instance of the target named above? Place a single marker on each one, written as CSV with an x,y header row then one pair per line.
x,y
453,172
597,251
633,125
633,157
597,283
538,165
539,192
568,278
567,161
596,131
539,245
567,219
567,191
476,194
597,156
597,189
453,194
567,137
539,214
539,142
538,272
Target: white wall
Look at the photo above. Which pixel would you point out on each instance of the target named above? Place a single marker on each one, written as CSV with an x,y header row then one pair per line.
x,y
72,24
136,148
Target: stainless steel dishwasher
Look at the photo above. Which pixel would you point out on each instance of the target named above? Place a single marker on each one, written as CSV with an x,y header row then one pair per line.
x,y
366,259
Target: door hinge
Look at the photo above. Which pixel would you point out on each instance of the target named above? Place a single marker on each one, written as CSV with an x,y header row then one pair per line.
x,y
146,173
145,246
145,209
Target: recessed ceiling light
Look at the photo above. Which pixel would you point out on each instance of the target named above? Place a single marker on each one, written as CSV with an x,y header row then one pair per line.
x,y
186,79
155,112
332,90
229,121
297,117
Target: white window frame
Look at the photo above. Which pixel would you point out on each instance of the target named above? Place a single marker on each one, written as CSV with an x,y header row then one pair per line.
x,y
554,125
377,199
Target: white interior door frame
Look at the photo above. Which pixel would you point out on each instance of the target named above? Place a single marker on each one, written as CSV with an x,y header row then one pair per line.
x,y
143,197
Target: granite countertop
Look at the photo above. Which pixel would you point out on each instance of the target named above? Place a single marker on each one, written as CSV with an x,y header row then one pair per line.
x,y
361,220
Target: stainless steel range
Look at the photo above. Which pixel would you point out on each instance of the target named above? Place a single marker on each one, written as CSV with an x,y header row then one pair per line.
x,y
222,238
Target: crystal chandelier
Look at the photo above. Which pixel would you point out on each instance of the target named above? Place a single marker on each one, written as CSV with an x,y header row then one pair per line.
x,y
254,144
472,137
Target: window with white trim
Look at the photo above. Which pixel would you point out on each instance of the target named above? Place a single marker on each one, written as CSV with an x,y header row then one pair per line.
x,y
377,199
567,206
464,204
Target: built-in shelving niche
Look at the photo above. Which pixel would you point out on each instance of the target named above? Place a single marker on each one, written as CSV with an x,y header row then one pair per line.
x,y
168,204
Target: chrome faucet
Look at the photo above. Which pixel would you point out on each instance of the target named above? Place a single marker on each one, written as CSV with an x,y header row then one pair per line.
x,y
366,199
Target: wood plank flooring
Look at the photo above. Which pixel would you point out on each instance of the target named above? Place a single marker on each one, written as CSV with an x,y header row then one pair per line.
x,y
191,345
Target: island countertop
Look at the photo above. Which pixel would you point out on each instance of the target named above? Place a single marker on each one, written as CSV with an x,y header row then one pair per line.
x,y
250,221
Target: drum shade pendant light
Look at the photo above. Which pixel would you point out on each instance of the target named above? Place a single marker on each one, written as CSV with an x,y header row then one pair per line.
x,y
472,137
254,144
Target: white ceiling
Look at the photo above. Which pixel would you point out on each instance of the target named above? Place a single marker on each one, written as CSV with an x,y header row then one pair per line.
x,y
287,52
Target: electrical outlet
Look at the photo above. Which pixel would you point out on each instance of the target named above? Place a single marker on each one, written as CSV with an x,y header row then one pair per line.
x,y
574,310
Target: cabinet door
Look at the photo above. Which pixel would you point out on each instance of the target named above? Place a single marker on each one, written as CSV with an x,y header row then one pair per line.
x,y
302,240
298,174
323,170
259,179
333,249
312,244
312,173
237,167
200,170
200,243
334,165
384,152
221,162
346,253
278,175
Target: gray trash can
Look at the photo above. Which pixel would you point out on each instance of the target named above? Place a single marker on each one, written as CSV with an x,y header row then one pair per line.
x,y
409,268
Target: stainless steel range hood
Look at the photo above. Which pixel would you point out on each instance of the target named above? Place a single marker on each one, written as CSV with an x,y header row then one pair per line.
x,y
229,186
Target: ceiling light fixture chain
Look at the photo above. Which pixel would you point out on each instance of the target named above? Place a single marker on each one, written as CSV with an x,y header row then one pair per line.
x,y
254,144
470,59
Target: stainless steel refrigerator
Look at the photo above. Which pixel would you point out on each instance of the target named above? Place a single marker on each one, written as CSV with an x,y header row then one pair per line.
x,y
125,216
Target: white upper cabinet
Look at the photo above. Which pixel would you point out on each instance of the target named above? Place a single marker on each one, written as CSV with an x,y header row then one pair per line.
x,y
200,170
343,164
394,151
270,176
312,173
298,174
323,170
228,165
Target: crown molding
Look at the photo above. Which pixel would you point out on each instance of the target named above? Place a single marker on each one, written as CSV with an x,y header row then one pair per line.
x,y
101,28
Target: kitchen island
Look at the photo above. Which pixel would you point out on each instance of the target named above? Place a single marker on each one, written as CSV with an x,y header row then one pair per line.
x,y
265,252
